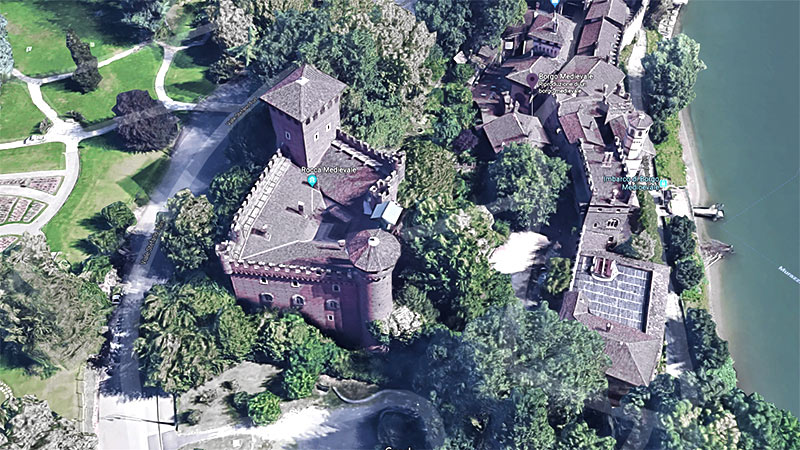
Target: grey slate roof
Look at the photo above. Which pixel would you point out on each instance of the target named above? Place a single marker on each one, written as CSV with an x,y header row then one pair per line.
x,y
538,65
613,10
546,29
515,127
373,250
602,74
303,92
598,39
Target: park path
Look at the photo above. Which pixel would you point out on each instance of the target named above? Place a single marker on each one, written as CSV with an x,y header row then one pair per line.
x,y
71,134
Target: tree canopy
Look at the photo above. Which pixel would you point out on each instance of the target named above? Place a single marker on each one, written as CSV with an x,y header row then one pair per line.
x,y
86,76
48,317
680,238
145,124
670,73
264,408
29,423
448,247
188,237
430,172
528,184
509,377
190,332
6,54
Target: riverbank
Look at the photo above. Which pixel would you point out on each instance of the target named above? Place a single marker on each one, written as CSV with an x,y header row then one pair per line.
x,y
698,194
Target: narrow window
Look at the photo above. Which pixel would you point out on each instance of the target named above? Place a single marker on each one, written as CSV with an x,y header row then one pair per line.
x,y
336,288
298,301
328,127
330,316
316,136
295,283
263,280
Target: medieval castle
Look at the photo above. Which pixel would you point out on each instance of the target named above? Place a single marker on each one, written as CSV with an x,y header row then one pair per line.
x,y
320,245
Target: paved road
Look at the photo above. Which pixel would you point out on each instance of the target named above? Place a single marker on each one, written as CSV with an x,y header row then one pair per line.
x,y
198,155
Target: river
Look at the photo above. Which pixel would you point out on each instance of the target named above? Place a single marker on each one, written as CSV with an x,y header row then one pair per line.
x,y
746,118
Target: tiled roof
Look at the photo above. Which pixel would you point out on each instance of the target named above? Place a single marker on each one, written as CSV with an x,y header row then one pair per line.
x,y
373,250
603,74
515,127
559,31
271,227
537,65
634,352
614,10
303,92
598,39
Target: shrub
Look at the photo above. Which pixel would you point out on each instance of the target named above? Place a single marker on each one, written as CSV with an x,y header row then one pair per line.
x,y
264,408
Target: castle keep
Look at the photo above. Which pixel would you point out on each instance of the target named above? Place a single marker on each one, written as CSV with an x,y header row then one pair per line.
x,y
324,248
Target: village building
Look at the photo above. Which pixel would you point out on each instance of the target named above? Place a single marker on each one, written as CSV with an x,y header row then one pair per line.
x,y
515,128
602,29
321,247
539,34
624,300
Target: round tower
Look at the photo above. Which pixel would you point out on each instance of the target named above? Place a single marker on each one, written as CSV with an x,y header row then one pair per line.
x,y
374,253
639,124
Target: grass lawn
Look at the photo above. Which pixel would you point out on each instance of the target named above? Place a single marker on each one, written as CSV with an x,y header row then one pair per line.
x,y
41,25
137,71
59,390
19,117
653,37
669,154
186,81
107,175
49,156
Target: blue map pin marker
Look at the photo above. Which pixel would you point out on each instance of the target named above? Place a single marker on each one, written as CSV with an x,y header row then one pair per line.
x,y
312,180
554,2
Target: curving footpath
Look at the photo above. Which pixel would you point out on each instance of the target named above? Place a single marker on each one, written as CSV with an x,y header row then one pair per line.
x,y
71,134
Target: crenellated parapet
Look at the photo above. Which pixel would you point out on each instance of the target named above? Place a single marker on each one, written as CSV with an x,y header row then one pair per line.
x,y
393,159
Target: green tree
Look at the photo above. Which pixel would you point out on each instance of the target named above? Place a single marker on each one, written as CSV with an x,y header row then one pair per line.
x,y
48,317
298,382
761,423
236,333
30,423
491,18
145,124
6,54
149,16
670,74
511,375
430,171
118,216
559,276
578,435
188,237
182,338
448,247
688,273
528,184
450,19
680,238
105,242
86,76
226,192
264,408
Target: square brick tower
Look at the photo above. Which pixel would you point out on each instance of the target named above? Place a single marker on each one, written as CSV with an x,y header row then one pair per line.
x,y
304,108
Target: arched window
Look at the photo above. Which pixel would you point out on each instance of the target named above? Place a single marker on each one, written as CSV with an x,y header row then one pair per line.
x,y
612,223
332,305
265,298
336,288
298,301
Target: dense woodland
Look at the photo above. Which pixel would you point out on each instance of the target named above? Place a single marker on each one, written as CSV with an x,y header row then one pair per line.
x,y
499,375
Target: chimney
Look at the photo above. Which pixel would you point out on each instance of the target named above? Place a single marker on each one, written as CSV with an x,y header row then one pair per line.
x,y
555,22
605,90
301,206
341,243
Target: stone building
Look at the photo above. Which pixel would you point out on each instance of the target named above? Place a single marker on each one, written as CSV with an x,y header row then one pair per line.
x,y
320,247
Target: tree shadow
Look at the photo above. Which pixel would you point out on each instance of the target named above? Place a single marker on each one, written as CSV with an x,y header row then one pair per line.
x,y
90,19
